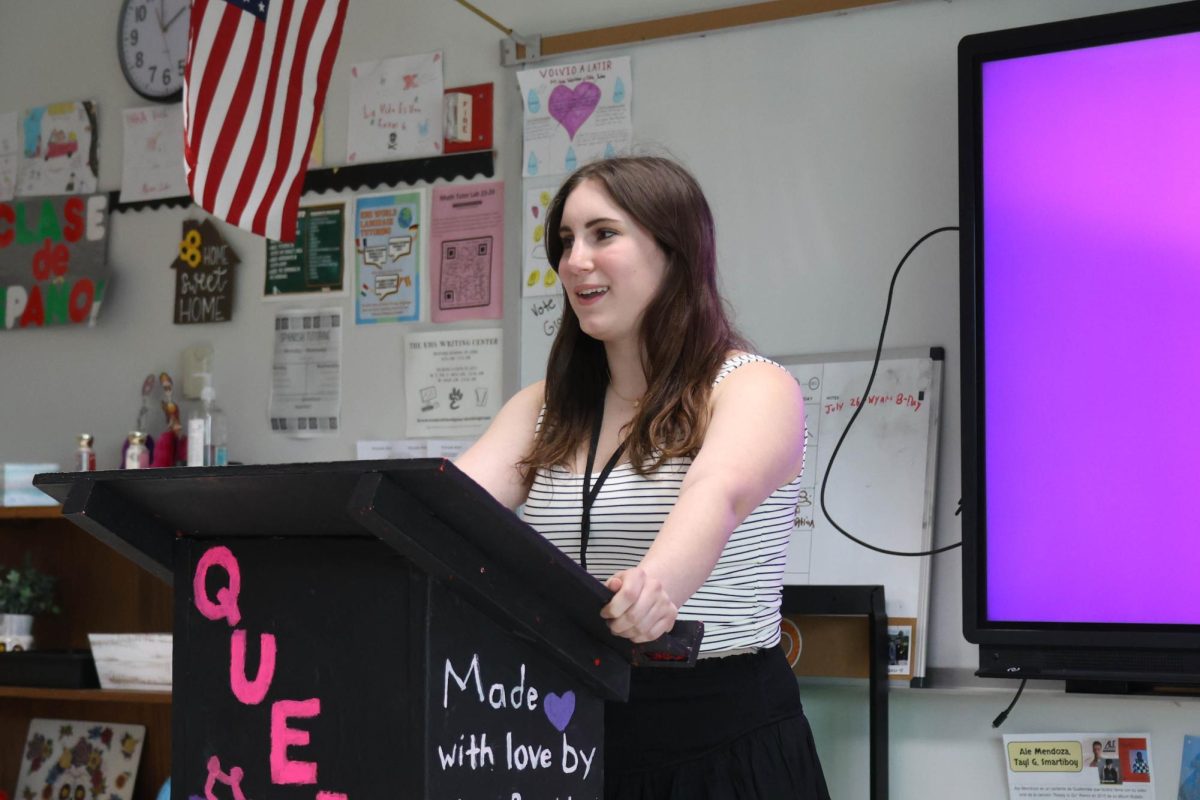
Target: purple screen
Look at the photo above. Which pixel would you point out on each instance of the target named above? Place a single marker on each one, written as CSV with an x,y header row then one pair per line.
x,y
1091,280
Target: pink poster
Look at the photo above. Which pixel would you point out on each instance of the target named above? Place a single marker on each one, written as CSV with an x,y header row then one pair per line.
x,y
467,251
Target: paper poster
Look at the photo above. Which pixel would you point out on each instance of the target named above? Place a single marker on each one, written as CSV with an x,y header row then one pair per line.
x,y
536,276
315,261
387,257
1189,769
452,382
10,154
1079,765
411,448
540,320
467,250
152,166
575,113
59,153
900,640
204,275
16,484
448,448
53,260
395,109
377,449
306,372
71,758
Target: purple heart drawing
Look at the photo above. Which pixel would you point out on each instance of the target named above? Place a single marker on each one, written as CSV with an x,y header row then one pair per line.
x,y
559,710
572,107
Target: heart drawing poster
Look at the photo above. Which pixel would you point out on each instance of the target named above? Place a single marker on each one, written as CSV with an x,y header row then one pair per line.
x,y
575,113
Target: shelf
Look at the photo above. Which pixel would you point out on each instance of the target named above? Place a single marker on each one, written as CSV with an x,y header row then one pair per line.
x,y
85,695
358,177
30,512
99,591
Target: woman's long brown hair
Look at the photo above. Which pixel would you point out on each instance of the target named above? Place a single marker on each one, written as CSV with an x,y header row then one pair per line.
x,y
685,331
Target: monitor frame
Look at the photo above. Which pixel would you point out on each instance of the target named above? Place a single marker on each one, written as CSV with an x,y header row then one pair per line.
x,y
1019,644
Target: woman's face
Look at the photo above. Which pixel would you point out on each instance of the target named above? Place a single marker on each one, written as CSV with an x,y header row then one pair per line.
x,y
611,267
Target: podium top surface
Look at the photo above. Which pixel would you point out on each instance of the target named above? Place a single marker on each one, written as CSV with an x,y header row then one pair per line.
x,y
425,508
316,499
248,500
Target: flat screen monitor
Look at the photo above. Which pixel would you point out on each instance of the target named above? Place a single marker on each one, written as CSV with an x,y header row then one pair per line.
x,y
1080,304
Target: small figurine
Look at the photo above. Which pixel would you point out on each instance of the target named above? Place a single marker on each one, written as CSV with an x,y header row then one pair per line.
x,y
172,441
85,456
143,420
136,454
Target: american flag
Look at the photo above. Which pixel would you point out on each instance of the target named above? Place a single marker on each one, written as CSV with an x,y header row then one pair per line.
x,y
256,76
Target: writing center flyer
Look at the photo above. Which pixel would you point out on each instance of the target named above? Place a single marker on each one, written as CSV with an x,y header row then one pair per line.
x,y
1081,766
452,382
467,252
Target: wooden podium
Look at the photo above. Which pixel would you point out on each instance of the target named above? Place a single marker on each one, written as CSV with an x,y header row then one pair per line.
x,y
359,630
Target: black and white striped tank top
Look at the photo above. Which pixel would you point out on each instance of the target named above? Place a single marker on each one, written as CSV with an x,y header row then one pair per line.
x,y
739,603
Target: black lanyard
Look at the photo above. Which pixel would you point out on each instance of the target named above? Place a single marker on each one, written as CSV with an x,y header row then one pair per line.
x,y
591,492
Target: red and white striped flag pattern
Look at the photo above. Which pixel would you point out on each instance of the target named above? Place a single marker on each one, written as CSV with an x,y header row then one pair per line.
x,y
255,84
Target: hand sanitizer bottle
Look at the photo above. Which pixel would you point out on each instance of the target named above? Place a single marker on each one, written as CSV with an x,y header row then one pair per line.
x,y
207,431
216,434
196,428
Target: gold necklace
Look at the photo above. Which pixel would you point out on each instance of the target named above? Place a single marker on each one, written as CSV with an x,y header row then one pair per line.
x,y
636,402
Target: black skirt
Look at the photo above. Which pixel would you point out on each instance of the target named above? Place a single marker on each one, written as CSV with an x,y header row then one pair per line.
x,y
730,729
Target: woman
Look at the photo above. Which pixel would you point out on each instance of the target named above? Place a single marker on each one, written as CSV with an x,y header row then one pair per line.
x,y
688,450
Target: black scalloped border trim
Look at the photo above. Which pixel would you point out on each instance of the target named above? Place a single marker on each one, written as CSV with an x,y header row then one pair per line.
x,y
358,177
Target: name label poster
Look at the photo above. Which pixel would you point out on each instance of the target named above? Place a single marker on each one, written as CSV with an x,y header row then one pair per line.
x,y
387,257
467,280
1086,766
315,261
59,156
153,164
452,382
575,113
395,109
53,260
203,275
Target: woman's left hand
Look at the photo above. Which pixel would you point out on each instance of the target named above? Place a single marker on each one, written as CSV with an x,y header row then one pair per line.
x,y
640,609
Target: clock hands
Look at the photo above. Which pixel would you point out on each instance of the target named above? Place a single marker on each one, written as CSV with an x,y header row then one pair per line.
x,y
171,21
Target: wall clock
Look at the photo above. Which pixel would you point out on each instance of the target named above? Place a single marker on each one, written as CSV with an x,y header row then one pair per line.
x,y
152,42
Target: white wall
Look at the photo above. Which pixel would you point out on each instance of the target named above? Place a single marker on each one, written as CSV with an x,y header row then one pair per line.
x,y
835,152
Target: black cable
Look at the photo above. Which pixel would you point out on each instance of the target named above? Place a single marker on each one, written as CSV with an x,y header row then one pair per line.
x,y
999,720
863,404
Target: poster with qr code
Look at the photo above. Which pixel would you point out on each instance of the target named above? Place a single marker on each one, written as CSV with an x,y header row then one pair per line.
x,y
467,252
466,273
306,379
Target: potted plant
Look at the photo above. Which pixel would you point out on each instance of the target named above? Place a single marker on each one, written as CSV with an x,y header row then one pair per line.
x,y
24,592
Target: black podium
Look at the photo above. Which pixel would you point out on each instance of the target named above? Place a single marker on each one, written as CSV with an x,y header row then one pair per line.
x,y
365,630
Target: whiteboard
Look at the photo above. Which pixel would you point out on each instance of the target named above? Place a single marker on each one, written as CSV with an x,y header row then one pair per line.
x,y
881,489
